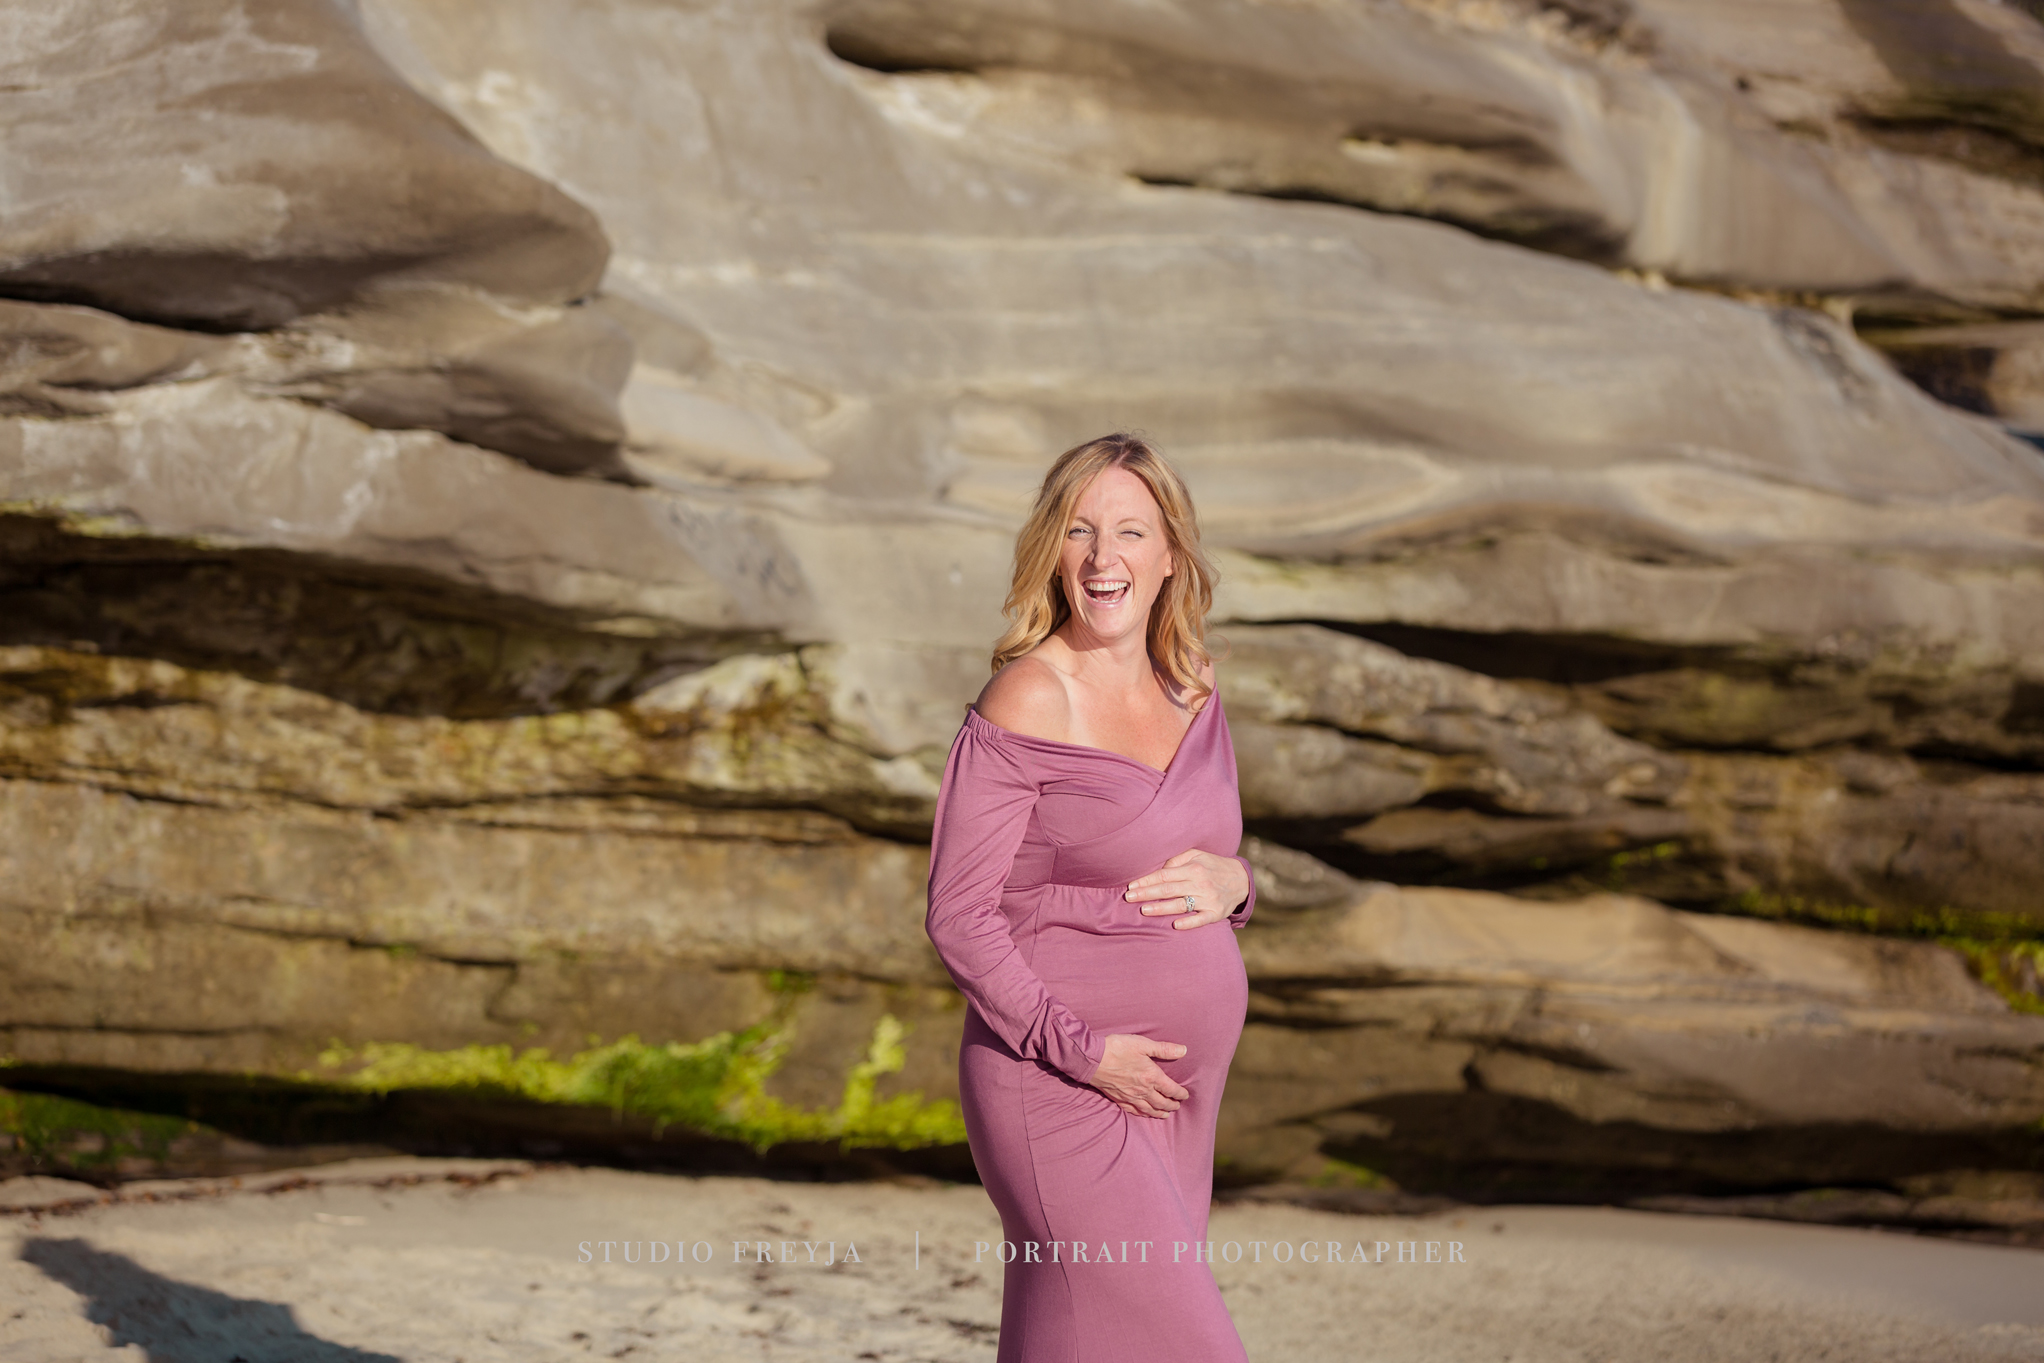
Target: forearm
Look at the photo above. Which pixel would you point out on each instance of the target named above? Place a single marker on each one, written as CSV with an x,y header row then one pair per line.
x,y
983,960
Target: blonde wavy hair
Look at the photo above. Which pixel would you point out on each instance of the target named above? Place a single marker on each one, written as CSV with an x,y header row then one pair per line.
x,y
1036,604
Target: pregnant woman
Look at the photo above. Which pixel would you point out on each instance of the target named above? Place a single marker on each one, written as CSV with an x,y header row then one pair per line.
x,y
1084,848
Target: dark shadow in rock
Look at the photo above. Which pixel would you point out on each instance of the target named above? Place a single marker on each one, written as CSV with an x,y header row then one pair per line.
x,y
274,1124
178,1322
1563,659
1966,97
1484,1147
387,640
1958,375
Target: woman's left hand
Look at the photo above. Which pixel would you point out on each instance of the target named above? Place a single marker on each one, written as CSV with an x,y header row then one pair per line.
x,y
1218,885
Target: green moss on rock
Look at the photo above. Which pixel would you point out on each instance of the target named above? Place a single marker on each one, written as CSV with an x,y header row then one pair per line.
x,y
2004,952
1939,923
2011,969
1340,1173
61,1135
716,1086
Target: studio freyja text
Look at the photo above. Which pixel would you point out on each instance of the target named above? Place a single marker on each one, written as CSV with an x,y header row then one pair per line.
x,y
1069,1253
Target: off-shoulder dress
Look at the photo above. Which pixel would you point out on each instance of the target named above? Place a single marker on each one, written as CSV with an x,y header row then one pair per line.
x,y
1104,1212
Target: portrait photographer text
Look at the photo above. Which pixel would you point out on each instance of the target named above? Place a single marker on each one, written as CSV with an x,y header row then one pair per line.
x,y
1065,1253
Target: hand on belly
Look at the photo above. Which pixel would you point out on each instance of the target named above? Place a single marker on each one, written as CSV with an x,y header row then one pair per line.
x,y
1199,885
1129,1076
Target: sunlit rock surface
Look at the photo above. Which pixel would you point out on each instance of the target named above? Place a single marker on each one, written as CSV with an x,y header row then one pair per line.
x,y
254,164
501,510
1608,1031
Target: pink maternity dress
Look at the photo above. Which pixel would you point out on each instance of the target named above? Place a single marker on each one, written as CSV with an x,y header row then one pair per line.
x,y
1105,1211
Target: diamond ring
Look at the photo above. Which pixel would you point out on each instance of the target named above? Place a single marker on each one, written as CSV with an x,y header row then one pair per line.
x,y
1188,903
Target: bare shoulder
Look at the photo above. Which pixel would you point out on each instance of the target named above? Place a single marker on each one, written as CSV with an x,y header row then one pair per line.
x,y
1028,696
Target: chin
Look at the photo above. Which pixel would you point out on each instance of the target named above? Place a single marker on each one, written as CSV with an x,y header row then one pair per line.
x,y
1113,624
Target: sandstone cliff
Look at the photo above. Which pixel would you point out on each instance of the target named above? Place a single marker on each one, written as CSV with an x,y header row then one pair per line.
x,y
501,509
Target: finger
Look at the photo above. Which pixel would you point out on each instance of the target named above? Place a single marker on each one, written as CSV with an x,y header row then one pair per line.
x,y
1165,1050
1200,918
1172,872
1186,857
1193,880
1164,908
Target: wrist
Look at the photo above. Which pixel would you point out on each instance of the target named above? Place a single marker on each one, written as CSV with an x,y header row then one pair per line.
x,y
1242,910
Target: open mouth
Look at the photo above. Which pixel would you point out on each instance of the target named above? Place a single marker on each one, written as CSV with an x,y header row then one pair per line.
x,y
1106,591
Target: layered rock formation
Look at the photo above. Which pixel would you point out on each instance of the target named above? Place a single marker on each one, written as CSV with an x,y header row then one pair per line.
x,y
206,873
1610,1040
502,510
258,167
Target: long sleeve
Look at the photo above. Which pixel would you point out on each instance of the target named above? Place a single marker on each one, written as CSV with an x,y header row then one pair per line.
x,y
1240,915
1248,906
983,811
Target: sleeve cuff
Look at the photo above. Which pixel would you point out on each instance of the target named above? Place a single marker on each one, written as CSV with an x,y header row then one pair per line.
x,y
1248,906
1083,1059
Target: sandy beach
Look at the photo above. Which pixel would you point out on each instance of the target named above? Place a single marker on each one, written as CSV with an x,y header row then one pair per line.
x,y
471,1262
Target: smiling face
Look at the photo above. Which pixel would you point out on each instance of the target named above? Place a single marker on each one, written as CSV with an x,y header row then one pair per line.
x,y
1115,556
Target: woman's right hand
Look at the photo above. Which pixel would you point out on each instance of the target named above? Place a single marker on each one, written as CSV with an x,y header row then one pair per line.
x,y
1131,1080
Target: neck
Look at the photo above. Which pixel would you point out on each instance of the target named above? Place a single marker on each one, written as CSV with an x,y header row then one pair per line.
x,y
1112,665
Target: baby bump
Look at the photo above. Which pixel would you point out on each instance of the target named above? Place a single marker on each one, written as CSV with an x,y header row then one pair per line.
x,y
1123,972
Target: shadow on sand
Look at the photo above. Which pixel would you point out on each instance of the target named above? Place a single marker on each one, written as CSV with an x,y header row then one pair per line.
x,y
176,1322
